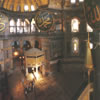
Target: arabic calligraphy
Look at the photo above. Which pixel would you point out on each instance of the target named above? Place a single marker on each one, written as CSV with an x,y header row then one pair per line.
x,y
97,13
44,20
3,22
93,14
2,26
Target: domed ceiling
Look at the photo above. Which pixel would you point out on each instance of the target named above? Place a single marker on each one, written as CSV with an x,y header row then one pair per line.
x,y
22,5
32,5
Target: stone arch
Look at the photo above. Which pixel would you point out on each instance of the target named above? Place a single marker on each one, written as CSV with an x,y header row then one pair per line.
x,y
15,44
26,44
26,25
37,43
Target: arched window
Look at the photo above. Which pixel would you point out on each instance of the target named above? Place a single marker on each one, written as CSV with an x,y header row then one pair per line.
x,y
11,7
81,0
73,1
37,44
15,44
26,26
19,26
26,8
26,45
75,46
12,26
32,8
18,8
33,25
58,27
75,25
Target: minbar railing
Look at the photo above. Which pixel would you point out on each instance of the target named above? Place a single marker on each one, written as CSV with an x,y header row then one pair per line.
x,y
80,90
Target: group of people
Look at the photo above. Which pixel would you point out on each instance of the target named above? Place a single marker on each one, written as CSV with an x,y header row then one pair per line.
x,y
29,88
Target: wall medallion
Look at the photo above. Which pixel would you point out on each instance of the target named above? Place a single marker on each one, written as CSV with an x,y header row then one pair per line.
x,y
44,20
3,22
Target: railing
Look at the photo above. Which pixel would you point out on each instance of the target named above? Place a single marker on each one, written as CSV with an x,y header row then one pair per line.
x,y
86,93
80,90
43,34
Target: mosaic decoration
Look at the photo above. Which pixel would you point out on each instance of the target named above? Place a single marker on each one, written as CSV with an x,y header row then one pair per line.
x,y
56,4
3,22
44,20
92,12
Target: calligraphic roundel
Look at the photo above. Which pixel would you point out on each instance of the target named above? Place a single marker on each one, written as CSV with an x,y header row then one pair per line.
x,y
3,22
92,13
44,20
